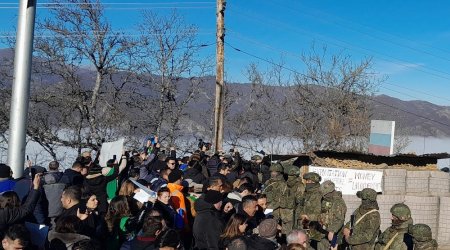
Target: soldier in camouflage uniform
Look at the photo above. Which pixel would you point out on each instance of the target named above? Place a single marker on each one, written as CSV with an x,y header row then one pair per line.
x,y
332,217
396,236
422,237
295,195
310,207
276,191
362,230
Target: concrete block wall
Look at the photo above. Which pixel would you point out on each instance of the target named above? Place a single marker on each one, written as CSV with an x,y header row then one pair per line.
x,y
352,203
394,181
424,210
417,182
439,183
443,236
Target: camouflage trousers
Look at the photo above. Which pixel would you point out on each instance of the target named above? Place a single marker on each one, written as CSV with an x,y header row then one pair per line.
x,y
287,219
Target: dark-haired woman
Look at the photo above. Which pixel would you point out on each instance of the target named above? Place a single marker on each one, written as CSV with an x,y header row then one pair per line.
x,y
120,222
235,228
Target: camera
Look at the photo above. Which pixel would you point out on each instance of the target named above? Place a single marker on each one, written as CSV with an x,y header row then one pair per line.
x,y
202,144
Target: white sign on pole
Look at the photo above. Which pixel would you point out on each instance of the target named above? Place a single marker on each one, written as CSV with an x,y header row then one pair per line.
x,y
350,181
109,149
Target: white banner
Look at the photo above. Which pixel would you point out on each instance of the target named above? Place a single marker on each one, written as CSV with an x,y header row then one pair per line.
x,y
109,149
350,181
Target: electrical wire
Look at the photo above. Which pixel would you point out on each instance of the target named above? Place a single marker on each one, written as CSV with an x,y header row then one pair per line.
x,y
370,98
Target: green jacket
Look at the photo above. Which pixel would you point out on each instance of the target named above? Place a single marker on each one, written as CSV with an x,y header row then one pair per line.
x,y
276,191
365,231
397,237
311,204
332,217
296,189
426,245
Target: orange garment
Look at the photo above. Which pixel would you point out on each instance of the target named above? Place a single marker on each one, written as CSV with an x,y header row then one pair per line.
x,y
177,198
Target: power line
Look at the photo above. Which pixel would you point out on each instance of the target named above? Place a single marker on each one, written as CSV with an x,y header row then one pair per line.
x,y
366,33
115,3
370,98
402,62
418,91
292,54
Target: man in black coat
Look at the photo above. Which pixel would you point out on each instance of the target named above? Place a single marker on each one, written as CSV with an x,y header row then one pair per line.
x,y
208,225
73,175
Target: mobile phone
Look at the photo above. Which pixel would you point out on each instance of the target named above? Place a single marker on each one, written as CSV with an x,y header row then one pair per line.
x,y
33,173
114,158
28,158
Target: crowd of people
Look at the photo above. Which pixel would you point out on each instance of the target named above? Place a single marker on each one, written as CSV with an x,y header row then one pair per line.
x,y
201,201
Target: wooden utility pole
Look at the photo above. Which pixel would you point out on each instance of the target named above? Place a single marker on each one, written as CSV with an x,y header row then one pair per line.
x,y
218,107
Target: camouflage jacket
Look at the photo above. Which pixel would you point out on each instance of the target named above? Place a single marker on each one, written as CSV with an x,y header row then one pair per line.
x,y
332,217
296,189
365,231
311,205
402,240
426,245
276,191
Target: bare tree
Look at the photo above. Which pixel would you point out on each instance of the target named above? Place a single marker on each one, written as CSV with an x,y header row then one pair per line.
x,y
329,104
77,49
170,66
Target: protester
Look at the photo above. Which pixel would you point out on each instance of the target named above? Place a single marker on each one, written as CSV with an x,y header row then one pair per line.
x,y
234,229
66,233
16,237
208,225
6,182
10,216
169,214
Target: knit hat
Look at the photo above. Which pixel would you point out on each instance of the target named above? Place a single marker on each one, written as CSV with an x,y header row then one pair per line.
x,y
175,175
213,197
5,171
268,228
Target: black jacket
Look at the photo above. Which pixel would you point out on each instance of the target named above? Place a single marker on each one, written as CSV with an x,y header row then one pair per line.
x,y
72,177
97,186
208,225
195,175
9,216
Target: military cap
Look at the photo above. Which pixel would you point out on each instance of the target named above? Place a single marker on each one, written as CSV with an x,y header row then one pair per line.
x,y
420,232
256,158
276,167
292,170
312,177
327,187
401,211
367,194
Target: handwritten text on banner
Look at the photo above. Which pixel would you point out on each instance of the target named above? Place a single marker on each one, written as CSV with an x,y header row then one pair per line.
x,y
350,181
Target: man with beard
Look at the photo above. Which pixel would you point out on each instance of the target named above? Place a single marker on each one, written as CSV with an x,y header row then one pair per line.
x,y
332,218
361,232
422,237
296,190
396,236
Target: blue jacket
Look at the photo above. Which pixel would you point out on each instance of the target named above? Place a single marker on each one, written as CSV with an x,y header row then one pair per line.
x,y
7,185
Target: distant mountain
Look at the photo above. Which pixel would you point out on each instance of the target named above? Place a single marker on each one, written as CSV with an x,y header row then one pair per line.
x,y
412,117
